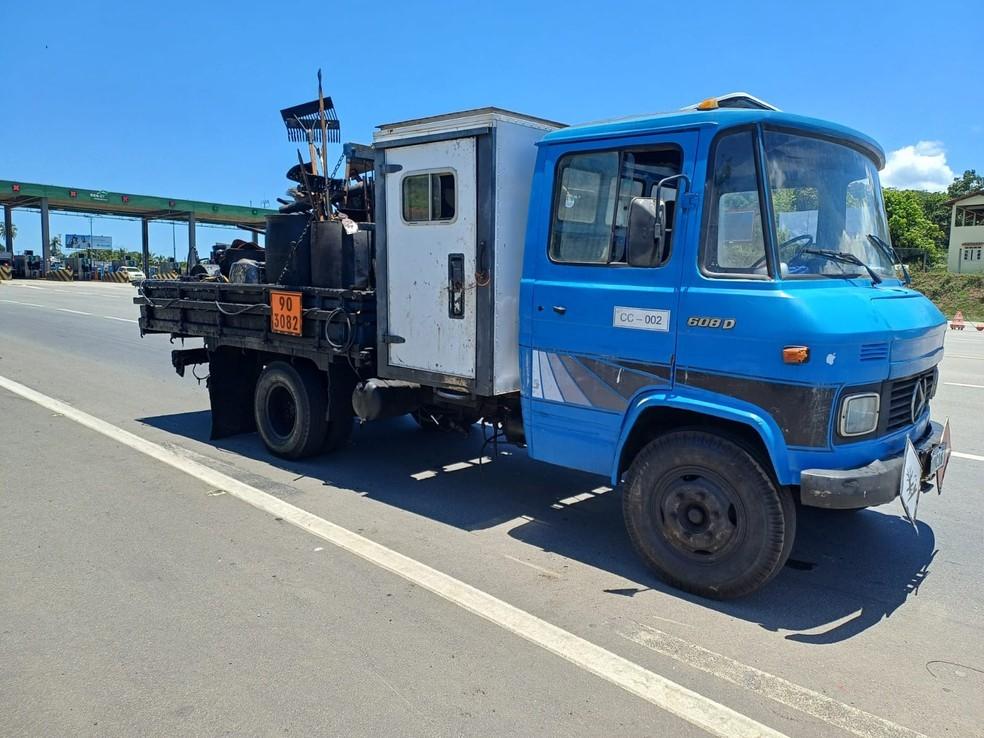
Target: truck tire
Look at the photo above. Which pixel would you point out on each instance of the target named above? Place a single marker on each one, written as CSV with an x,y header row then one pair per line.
x,y
290,405
705,516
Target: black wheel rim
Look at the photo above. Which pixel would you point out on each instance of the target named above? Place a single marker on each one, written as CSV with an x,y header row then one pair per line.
x,y
282,411
697,513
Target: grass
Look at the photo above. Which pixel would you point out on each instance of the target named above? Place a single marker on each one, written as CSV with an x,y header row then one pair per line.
x,y
953,292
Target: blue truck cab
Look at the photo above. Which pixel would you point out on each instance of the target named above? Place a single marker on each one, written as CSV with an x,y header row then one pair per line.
x,y
711,315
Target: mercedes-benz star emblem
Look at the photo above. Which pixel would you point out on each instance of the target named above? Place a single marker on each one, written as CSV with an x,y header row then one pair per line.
x,y
920,396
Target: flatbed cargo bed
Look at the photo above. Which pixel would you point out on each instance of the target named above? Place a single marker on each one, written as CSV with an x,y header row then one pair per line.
x,y
335,324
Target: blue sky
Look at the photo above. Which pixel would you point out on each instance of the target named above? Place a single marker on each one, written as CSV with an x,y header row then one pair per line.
x,y
182,98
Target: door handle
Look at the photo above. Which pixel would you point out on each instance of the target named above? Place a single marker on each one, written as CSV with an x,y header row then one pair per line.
x,y
559,309
456,285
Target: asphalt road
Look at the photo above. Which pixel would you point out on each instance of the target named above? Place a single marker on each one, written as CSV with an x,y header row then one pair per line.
x,y
138,599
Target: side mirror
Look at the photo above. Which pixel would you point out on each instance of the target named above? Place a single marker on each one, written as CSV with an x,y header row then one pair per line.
x,y
644,234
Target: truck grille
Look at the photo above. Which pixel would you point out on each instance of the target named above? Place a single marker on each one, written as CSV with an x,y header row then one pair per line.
x,y
900,399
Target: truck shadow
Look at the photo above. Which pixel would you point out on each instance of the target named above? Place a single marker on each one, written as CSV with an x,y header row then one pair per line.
x,y
847,572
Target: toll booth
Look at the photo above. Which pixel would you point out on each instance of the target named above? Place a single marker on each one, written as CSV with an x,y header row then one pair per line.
x,y
146,208
27,266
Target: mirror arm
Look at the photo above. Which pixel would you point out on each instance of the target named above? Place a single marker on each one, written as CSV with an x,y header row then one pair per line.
x,y
671,178
659,232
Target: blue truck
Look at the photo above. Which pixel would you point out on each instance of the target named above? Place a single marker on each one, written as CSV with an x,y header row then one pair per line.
x,y
702,306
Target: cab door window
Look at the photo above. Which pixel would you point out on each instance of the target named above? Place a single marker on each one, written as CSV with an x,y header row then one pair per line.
x,y
592,195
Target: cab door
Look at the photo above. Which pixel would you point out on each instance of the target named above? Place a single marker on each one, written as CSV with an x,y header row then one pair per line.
x,y
602,330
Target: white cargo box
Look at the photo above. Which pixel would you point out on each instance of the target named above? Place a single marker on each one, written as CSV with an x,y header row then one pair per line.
x,y
452,194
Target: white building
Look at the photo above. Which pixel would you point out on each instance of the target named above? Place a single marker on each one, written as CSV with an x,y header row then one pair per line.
x,y
966,251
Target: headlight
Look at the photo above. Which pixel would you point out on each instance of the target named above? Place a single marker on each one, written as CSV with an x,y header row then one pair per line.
x,y
859,414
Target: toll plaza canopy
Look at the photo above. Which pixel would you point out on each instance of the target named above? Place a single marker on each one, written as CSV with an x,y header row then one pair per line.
x,y
142,207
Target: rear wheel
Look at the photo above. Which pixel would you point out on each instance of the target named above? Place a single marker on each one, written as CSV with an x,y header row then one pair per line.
x,y
290,405
705,516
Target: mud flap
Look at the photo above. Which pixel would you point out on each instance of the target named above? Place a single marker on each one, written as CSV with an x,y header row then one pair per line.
x,y
231,385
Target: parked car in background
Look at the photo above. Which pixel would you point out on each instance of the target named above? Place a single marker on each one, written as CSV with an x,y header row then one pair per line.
x,y
132,273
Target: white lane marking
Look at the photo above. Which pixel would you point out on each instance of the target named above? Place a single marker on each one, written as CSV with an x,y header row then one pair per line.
x,y
18,302
961,384
124,320
776,688
695,708
76,312
972,457
961,356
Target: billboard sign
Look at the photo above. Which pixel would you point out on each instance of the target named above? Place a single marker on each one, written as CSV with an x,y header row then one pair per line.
x,y
84,241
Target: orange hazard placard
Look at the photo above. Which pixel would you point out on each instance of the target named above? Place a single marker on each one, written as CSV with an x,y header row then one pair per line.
x,y
285,312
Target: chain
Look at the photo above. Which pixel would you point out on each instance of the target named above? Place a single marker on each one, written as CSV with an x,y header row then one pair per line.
x,y
293,248
337,165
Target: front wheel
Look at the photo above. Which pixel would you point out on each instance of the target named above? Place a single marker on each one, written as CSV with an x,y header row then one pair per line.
x,y
704,515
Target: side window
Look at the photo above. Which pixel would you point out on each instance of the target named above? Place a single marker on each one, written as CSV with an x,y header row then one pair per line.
x,y
584,201
734,244
428,197
592,196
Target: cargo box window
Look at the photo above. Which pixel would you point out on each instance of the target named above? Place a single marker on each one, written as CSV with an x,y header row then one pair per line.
x,y
428,197
591,201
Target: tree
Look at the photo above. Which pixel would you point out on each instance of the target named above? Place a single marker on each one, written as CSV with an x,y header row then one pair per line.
x,y
969,181
3,232
909,225
56,250
934,205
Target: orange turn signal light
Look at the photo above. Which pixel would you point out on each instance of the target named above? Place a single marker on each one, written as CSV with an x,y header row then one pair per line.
x,y
796,354
708,104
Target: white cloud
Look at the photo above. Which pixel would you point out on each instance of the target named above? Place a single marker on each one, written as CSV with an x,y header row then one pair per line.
x,y
919,167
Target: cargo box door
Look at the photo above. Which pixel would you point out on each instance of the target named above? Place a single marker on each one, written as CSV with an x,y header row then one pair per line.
x,y
431,222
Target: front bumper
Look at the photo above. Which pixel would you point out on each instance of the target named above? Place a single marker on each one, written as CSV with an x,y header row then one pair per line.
x,y
866,486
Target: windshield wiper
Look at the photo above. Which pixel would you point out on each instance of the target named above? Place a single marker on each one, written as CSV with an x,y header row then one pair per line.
x,y
845,257
891,253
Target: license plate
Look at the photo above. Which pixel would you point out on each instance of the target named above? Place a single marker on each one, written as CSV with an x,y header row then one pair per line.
x,y
285,312
937,459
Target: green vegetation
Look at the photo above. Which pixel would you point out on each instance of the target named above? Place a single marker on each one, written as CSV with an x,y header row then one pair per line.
x,y
911,226
130,257
921,220
56,249
13,231
953,292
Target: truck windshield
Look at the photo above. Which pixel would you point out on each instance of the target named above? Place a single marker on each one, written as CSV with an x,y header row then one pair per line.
x,y
828,207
